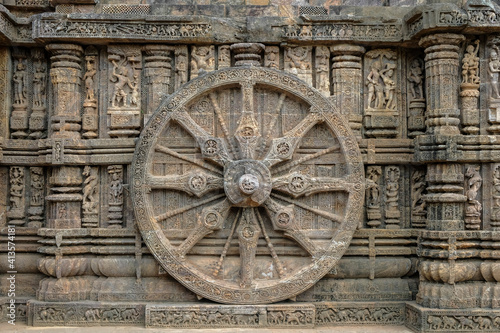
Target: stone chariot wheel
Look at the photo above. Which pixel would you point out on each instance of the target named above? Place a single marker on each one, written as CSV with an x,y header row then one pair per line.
x,y
247,186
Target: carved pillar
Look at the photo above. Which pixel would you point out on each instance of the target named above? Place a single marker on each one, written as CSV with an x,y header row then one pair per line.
x,y
441,73
90,113
347,83
157,72
445,199
37,119
66,74
65,198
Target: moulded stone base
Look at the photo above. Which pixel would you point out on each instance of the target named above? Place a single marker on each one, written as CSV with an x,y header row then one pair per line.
x,y
422,319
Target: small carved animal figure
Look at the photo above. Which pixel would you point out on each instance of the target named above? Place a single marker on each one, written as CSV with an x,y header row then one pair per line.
x,y
434,322
294,318
92,314
326,316
362,315
130,314
110,315
378,315
484,323
275,317
466,323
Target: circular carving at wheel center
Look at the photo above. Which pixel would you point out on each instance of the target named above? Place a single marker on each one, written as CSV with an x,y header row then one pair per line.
x,y
247,183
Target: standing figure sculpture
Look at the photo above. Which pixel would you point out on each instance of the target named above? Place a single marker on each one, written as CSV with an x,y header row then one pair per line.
x,y
493,70
389,86
20,84
39,84
121,80
375,88
89,81
470,64
416,78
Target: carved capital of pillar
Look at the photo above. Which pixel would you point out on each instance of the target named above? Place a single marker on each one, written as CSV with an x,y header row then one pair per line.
x,y
66,74
347,82
441,71
247,54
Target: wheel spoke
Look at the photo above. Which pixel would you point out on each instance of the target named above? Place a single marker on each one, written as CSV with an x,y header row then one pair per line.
x,y
227,245
304,159
282,149
175,154
327,215
220,117
248,235
274,255
210,219
212,148
194,183
181,210
297,184
247,133
283,219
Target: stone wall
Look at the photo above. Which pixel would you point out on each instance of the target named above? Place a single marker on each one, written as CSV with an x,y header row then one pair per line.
x,y
305,163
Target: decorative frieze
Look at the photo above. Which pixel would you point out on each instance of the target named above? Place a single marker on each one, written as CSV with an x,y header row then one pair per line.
x,y
345,31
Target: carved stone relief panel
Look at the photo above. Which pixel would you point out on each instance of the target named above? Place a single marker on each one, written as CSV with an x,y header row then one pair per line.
x,y
418,204
381,97
218,183
90,105
124,90
298,61
493,83
202,60
416,95
469,94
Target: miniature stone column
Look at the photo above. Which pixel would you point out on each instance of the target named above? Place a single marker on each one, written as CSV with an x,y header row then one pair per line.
x,y
157,71
65,198
66,74
441,73
347,83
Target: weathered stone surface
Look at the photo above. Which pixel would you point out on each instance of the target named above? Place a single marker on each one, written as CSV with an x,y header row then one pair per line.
x,y
341,154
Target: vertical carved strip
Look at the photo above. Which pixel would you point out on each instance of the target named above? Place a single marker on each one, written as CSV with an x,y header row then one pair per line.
x,y
66,77
202,60
392,212
90,105
416,97
493,71
39,109
373,213
115,201
473,207
418,204
347,83
90,200
157,73
224,57
323,70
181,66
298,62
4,90
441,73
495,193
17,214
272,57
124,110
19,115
37,197
469,94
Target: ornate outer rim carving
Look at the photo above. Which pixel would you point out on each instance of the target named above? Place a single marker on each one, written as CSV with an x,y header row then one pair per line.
x,y
160,246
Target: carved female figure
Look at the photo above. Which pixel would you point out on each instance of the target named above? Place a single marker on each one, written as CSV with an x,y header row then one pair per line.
x,y
375,88
19,79
389,85
493,70
470,64
39,84
416,77
89,190
121,80
89,80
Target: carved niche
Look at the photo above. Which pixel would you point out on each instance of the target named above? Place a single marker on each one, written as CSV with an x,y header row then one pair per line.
x,y
247,201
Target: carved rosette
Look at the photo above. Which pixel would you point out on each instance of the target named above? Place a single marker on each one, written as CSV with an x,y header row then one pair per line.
x,y
213,198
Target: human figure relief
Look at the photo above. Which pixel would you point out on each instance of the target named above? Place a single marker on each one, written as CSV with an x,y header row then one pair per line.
x,y
39,84
89,189
493,70
389,86
470,64
297,56
375,87
121,80
203,60
20,84
416,78
89,81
